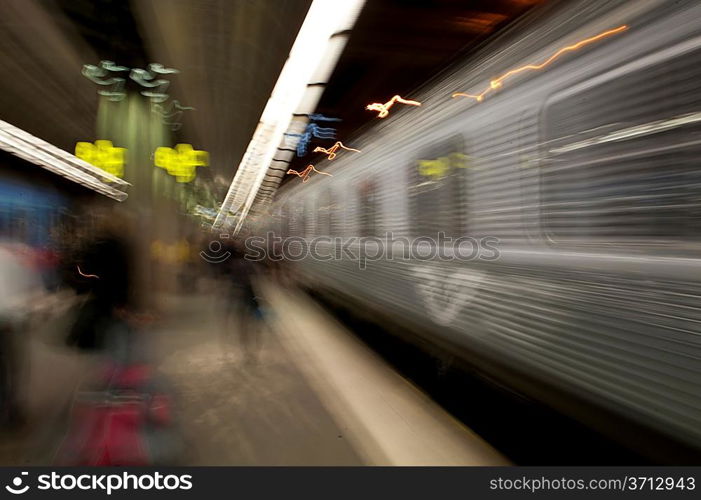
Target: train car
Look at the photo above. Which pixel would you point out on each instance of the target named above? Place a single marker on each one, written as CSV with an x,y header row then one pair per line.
x,y
580,177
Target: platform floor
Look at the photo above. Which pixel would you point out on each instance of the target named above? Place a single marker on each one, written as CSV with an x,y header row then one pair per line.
x,y
301,391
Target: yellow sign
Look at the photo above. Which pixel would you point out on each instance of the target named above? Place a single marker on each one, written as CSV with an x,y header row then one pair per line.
x,y
181,162
103,155
440,167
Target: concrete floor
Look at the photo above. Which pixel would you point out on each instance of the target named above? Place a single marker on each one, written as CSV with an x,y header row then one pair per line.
x,y
234,409
306,393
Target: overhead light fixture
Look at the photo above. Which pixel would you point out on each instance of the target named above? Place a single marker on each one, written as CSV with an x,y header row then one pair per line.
x,y
39,152
312,58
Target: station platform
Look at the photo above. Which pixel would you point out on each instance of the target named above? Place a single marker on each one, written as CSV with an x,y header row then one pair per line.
x,y
300,389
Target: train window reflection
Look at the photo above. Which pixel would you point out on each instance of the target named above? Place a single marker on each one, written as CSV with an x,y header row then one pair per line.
x,y
622,160
435,189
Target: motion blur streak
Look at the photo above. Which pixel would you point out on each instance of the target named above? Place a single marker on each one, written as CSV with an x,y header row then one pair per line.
x,y
87,275
496,83
383,109
37,151
304,175
331,152
512,278
631,132
312,48
585,172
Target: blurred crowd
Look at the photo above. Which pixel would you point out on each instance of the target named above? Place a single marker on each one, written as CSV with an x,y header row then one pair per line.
x,y
121,413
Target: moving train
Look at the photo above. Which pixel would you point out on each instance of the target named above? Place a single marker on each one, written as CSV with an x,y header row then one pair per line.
x,y
586,173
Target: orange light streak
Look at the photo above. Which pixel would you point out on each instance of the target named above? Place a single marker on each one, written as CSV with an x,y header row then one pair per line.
x,y
497,82
331,152
87,275
383,109
304,175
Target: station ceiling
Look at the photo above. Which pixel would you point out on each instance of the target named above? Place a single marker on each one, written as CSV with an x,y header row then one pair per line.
x,y
229,54
397,45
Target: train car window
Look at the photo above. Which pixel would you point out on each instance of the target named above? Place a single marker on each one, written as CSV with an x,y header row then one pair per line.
x,y
283,218
298,220
335,216
368,208
436,194
622,156
323,213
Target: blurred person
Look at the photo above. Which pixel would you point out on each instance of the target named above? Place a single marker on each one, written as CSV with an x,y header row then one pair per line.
x,y
187,271
277,269
50,259
19,287
122,415
243,304
102,269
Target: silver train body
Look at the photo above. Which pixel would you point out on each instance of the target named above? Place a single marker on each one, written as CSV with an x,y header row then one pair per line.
x,y
587,172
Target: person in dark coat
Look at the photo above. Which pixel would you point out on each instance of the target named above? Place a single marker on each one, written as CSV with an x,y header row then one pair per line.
x,y
103,270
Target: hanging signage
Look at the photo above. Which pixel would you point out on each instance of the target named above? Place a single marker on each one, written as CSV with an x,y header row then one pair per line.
x,y
103,155
181,162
